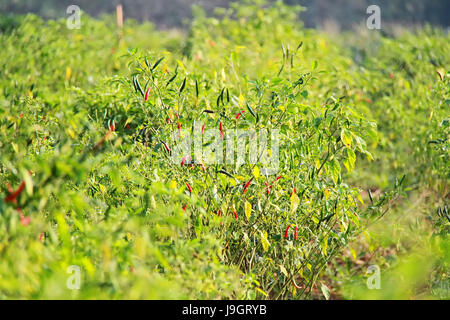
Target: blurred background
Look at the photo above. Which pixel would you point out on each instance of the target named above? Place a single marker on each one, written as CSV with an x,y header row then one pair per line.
x,y
323,14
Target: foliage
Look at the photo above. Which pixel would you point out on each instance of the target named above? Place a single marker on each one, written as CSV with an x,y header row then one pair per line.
x,y
87,177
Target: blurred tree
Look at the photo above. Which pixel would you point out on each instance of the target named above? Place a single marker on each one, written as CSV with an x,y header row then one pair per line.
x,y
172,13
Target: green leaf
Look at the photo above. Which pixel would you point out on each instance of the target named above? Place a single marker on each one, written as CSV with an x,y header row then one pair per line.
x,y
28,183
350,161
335,170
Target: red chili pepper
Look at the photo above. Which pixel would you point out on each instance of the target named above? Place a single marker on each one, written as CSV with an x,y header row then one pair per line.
x,y
296,285
179,126
278,178
183,161
295,233
219,213
203,167
239,114
267,187
221,130
293,191
286,231
203,129
235,214
184,208
112,127
21,115
41,236
146,94
189,187
23,220
166,146
392,75
13,195
246,185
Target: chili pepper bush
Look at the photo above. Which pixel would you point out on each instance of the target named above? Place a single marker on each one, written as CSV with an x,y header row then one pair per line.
x,y
87,176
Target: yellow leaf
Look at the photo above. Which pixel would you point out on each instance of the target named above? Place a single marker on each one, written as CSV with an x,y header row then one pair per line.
x,y
241,101
358,196
256,172
352,251
264,241
181,65
295,201
283,270
317,163
325,245
262,292
248,209
71,133
346,137
68,73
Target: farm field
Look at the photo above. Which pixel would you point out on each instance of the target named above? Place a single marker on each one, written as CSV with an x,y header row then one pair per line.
x,y
348,199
